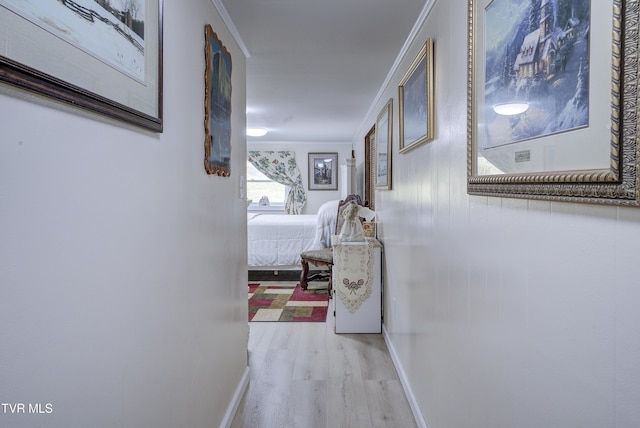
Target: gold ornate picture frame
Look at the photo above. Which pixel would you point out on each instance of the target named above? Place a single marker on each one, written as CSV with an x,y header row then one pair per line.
x,y
415,101
593,162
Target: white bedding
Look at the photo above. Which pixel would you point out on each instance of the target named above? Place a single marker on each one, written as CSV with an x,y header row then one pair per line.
x,y
275,240
326,224
278,239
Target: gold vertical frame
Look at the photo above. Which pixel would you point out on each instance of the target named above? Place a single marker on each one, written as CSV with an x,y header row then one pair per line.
x,y
416,101
384,146
370,167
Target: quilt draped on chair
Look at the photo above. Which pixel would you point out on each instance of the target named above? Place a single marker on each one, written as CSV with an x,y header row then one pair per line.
x,y
281,166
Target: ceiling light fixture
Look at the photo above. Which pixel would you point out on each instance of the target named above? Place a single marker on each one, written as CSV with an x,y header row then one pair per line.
x,y
256,132
509,109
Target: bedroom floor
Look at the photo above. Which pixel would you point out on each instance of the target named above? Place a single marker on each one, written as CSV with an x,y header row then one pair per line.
x,y
304,375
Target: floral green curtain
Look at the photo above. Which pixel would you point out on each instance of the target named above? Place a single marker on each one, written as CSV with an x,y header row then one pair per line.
x,y
281,166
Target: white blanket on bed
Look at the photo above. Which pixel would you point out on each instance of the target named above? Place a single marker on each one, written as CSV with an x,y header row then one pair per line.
x,y
326,225
278,240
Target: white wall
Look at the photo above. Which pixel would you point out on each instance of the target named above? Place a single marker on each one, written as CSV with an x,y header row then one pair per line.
x,y
122,264
315,198
503,312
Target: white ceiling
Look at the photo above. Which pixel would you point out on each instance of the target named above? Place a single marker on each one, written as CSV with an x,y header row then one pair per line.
x,y
314,67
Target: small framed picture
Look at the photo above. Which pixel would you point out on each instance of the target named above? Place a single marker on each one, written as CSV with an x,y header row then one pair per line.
x,y
323,171
369,228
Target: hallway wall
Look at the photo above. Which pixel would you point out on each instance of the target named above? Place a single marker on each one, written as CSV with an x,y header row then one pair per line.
x,y
122,264
503,312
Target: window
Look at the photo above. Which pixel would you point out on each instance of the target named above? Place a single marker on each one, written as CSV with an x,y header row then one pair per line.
x,y
259,185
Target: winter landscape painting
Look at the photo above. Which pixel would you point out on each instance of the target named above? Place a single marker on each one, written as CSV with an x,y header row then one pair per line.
x,y
536,53
109,30
570,68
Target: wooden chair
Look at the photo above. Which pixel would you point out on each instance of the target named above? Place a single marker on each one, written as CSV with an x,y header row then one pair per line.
x,y
324,256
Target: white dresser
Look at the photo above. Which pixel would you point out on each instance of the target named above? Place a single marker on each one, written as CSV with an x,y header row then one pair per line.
x,y
367,317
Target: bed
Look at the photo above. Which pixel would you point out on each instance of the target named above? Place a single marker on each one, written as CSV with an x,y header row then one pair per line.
x,y
275,241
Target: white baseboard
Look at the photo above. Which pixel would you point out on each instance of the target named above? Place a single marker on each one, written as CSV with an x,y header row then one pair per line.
x,y
235,401
415,409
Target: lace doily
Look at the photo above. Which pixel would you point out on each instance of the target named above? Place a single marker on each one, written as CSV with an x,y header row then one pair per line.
x,y
353,273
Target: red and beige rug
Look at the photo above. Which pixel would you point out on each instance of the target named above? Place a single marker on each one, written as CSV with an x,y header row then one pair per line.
x,y
275,301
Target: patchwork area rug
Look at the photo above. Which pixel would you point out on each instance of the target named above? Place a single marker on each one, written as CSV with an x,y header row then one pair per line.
x,y
276,301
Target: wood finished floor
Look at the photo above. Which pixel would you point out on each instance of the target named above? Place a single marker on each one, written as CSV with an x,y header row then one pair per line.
x,y
303,375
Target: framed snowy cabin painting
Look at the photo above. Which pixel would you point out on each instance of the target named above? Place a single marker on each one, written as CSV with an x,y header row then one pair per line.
x,y
552,100
104,56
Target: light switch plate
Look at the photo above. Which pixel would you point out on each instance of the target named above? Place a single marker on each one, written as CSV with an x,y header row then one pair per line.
x,y
241,186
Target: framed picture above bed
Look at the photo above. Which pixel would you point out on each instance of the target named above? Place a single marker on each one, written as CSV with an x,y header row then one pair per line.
x,y
323,171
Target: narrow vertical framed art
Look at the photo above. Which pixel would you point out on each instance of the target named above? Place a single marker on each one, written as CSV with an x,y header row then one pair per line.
x,y
370,167
217,105
383,138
